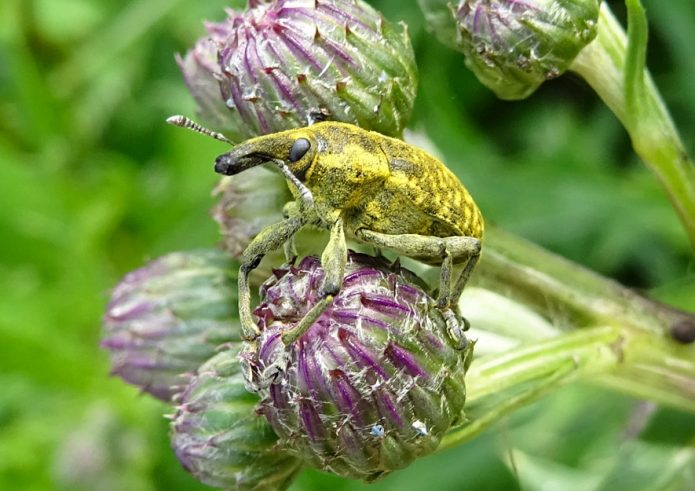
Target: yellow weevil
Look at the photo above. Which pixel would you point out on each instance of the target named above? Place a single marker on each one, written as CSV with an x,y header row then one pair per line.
x,y
361,185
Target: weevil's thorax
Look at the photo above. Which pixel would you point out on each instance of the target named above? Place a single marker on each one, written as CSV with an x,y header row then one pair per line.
x,y
347,167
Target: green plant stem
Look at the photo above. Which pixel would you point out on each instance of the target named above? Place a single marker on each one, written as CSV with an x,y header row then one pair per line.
x,y
621,358
574,300
655,369
497,385
565,292
614,65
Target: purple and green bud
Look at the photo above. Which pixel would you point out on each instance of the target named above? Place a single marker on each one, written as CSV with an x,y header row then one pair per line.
x,y
372,385
167,318
248,202
220,439
278,64
513,46
199,67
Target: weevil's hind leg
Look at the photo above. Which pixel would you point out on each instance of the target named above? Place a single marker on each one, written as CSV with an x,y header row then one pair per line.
x,y
446,272
269,239
465,276
446,249
333,261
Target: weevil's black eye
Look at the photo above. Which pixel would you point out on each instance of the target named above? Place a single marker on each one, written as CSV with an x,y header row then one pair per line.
x,y
299,149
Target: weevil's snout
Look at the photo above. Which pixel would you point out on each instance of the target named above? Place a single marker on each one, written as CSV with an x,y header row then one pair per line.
x,y
232,163
293,147
223,165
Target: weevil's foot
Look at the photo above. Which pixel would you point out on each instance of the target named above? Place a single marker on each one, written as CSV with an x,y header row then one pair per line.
x,y
456,325
250,333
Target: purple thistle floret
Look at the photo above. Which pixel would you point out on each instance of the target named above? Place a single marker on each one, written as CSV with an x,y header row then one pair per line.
x,y
166,318
372,385
280,63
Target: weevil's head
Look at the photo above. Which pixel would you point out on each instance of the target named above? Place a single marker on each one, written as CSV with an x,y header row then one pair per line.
x,y
297,148
323,154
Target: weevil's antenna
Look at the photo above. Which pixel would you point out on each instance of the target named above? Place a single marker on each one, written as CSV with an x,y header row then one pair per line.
x,y
189,124
304,192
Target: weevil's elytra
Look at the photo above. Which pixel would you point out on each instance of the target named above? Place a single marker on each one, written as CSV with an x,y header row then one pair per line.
x,y
365,186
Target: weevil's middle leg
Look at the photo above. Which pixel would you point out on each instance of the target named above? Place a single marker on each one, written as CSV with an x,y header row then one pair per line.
x,y
333,261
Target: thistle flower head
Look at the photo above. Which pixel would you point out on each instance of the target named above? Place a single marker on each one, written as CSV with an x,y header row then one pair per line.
x,y
250,201
247,203
199,68
165,319
513,46
218,437
372,385
280,62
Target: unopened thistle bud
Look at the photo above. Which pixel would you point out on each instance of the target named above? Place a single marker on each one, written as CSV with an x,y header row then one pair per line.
x,y
514,46
250,201
199,67
281,63
247,203
167,318
372,385
220,439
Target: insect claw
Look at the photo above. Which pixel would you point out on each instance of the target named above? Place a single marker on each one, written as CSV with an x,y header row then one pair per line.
x,y
456,325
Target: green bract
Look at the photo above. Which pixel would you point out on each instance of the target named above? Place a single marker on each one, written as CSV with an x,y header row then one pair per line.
x,y
247,203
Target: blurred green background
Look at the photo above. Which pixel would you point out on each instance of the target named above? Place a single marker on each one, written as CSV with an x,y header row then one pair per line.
x,y
93,183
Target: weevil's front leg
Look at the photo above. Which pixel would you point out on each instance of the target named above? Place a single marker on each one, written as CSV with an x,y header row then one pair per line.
x,y
448,250
333,261
269,239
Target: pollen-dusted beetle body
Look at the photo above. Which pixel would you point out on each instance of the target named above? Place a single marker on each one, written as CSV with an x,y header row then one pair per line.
x,y
362,185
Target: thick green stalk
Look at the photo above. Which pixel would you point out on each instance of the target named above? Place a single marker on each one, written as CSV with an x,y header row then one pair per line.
x,y
614,65
566,293
499,384
654,361
626,360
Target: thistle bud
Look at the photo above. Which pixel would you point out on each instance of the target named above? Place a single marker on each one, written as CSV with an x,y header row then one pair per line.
x,y
218,437
247,203
199,67
372,385
280,62
167,318
250,201
511,46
